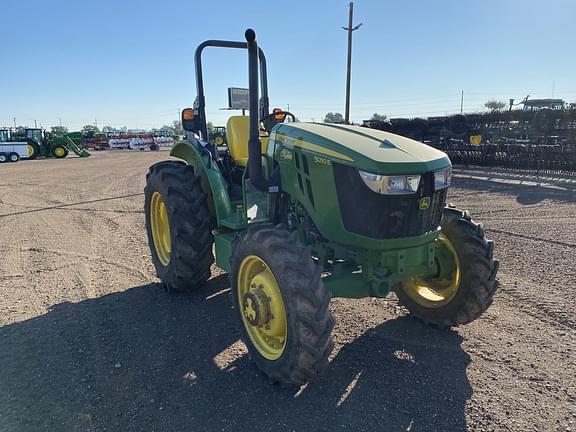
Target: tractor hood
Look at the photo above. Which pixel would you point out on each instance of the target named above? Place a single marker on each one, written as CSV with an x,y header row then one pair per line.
x,y
364,148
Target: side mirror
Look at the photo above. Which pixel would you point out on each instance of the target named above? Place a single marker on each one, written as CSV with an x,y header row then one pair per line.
x,y
189,121
279,114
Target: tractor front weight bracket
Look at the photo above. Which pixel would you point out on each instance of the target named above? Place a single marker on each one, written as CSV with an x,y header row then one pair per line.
x,y
376,271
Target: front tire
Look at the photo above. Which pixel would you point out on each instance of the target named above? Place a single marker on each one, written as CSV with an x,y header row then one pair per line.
x,y
59,152
465,283
282,305
219,140
178,225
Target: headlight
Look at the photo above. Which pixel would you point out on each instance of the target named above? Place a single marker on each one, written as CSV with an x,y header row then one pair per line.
x,y
442,179
388,185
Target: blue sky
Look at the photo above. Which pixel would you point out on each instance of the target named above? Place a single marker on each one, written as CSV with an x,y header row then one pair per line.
x,y
130,63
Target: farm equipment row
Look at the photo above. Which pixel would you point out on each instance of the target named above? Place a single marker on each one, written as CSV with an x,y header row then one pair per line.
x,y
40,143
33,143
540,137
543,159
139,142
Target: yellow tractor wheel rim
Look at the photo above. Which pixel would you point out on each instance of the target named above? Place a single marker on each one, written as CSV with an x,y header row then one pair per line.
x,y
160,228
30,150
218,140
262,307
440,289
59,151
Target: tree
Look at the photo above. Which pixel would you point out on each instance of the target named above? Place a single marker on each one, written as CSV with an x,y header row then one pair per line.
x,y
59,130
210,126
334,118
90,130
168,129
494,105
378,117
177,126
108,129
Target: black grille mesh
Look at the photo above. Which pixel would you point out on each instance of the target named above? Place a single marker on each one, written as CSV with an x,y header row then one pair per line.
x,y
373,215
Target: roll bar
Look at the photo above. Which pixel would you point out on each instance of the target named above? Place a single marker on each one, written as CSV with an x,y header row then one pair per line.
x,y
200,102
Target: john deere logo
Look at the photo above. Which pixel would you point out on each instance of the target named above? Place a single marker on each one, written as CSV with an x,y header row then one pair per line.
x,y
286,154
424,203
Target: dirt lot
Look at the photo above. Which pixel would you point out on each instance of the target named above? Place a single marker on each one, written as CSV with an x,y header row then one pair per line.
x,y
89,341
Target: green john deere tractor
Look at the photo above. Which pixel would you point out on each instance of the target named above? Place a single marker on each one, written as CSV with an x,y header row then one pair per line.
x,y
43,144
302,212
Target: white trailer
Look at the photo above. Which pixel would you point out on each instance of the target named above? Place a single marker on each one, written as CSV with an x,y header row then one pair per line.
x,y
13,151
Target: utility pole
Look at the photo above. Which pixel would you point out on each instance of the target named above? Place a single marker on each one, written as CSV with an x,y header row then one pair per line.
x,y
14,122
462,102
35,125
60,121
349,29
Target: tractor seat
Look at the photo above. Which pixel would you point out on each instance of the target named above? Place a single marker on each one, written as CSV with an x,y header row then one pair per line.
x,y
237,135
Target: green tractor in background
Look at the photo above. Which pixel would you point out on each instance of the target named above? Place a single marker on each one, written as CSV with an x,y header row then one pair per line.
x,y
44,144
299,213
218,136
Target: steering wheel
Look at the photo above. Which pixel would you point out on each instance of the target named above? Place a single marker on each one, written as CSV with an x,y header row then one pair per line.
x,y
275,117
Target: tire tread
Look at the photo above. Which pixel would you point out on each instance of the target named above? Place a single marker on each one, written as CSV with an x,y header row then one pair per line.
x,y
478,286
310,322
190,224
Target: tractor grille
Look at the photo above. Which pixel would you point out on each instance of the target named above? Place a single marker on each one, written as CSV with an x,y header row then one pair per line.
x,y
379,216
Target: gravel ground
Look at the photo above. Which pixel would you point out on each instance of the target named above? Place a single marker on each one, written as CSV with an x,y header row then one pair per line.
x,y
89,341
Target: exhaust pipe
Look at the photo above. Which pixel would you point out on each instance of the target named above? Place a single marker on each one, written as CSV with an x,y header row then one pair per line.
x,y
254,149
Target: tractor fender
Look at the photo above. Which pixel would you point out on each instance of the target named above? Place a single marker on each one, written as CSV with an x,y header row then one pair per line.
x,y
213,182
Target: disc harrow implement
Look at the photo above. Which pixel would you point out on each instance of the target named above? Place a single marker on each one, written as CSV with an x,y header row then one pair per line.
x,y
541,137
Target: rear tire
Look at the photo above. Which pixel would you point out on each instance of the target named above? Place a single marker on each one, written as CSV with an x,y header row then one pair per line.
x,y
477,284
190,226
33,150
3,157
13,157
302,353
